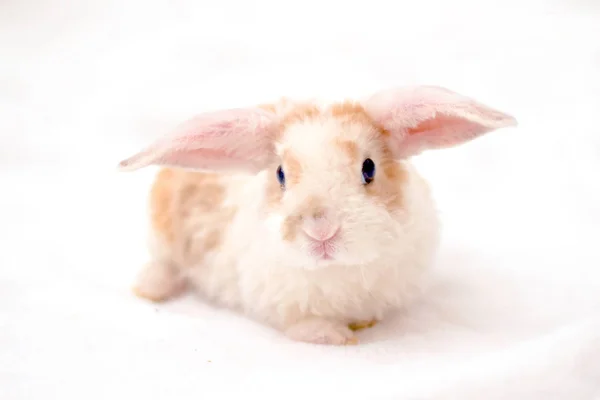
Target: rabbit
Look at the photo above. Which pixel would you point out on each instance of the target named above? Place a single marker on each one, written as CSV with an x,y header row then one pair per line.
x,y
307,216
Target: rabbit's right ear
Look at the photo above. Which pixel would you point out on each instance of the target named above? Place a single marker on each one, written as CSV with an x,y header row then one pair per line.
x,y
235,139
420,118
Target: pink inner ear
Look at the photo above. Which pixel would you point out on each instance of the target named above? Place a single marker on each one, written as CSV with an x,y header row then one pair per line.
x,y
200,159
238,139
426,117
440,132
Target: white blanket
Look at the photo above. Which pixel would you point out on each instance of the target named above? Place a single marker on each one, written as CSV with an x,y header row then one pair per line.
x,y
513,306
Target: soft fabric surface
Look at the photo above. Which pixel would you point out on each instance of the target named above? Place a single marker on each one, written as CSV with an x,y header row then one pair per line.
x,y
513,308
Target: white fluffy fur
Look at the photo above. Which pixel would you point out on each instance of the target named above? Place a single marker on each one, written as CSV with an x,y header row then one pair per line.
x,y
379,268
379,259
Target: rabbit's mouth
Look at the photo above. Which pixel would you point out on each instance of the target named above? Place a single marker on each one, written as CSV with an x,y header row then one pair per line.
x,y
323,256
323,250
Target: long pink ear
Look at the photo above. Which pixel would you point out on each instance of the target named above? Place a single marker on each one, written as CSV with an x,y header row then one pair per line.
x,y
235,139
428,117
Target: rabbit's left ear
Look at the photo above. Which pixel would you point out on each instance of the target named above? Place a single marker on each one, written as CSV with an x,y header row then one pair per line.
x,y
227,140
420,118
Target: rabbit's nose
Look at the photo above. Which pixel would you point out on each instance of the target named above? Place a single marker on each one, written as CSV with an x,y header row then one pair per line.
x,y
320,225
323,235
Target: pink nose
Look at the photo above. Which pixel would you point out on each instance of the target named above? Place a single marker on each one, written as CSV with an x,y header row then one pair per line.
x,y
322,233
320,224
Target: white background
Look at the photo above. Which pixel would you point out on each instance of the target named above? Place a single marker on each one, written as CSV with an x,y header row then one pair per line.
x,y
513,310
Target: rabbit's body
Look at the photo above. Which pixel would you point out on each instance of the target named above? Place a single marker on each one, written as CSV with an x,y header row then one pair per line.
x,y
306,217
211,230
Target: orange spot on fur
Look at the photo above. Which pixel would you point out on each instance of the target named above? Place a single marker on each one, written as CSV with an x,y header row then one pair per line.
x,y
200,191
268,107
162,204
274,192
184,204
389,183
312,207
350,111
290,227
212,240
300,113
293,172
350,148
291,167
276,106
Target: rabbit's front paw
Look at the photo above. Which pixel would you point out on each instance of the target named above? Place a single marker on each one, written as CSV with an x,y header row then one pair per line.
x,y
321,331
158,282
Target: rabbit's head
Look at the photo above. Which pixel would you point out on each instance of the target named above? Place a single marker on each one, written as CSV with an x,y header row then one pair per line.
x,y
334,176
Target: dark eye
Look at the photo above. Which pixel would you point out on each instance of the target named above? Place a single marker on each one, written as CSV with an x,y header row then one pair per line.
x,y
280,176
368,171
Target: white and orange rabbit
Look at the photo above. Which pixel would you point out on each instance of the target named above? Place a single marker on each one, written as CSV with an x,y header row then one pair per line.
x,y
308,217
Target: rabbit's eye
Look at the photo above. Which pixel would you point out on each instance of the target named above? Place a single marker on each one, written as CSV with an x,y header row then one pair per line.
x,y
368,171
280,176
